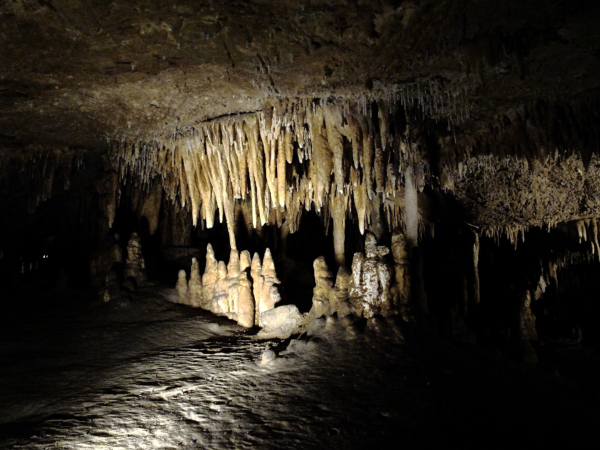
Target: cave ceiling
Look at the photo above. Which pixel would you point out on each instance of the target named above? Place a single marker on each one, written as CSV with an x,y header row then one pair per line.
x,y
77,72
83,73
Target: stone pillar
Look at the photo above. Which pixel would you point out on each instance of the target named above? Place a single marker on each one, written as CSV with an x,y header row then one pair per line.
x,y
322,289
135,266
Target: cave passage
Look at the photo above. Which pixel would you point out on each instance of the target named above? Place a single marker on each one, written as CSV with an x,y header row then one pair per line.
x,y
299,224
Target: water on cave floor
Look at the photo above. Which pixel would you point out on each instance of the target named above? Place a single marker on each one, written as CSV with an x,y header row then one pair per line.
x,y
151,374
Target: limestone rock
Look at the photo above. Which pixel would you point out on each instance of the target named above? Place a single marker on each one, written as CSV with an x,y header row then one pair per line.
x,y
286,316
265,282
220,301
267,357
280,322
194,291
209,279
229,290
371,280
257,281
182,286
135,266
245,260
245,304
340,293
322,289
401,254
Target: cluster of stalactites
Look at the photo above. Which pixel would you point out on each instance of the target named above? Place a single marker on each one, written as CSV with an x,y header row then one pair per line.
x,y
294,155
37,167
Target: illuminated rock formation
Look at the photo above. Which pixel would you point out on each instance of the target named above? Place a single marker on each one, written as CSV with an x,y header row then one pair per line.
x,y
245,303
269,293
135,266
438,128
194,290
228,290
371,280
182,286
209,278
339,295
322,290
280,322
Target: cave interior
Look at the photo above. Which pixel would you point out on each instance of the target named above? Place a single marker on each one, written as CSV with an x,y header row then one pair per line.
x,y
423,173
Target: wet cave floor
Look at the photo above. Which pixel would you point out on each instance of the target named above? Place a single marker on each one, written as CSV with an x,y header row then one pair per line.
x,y
152,374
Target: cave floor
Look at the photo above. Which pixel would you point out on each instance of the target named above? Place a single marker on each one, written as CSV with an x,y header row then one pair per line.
x,y
152,374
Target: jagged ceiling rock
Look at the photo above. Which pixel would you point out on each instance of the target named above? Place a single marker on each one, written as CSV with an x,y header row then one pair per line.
x,y
76,72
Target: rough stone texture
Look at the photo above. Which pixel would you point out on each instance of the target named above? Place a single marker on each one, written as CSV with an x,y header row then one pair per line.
x,y
322,289
135,266
266,293
245,260
228,290
280,321
137,68
219,303
371,280
340,293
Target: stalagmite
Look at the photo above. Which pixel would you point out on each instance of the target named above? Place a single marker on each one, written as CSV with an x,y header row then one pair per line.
x,y
194,291
371,280
322,289
257,285
338,297
268,294
245,260
228,290
209,279
245,305
135,266
220,300
526,325
182,286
